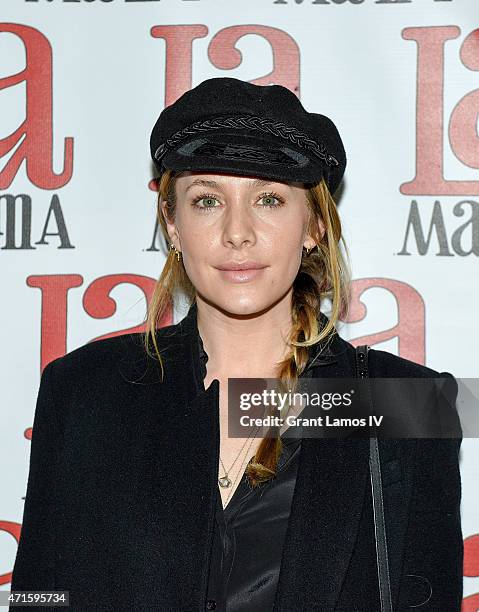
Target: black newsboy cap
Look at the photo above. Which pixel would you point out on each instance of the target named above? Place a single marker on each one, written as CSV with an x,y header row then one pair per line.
x,y
229,125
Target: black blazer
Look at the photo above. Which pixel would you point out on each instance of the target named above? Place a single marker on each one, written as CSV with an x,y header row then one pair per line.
x,y
120,499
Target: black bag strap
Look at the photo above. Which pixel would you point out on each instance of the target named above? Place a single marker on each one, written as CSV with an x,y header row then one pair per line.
x,y
362,371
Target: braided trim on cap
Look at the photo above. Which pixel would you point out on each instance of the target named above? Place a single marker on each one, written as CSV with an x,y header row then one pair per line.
x,y
249,122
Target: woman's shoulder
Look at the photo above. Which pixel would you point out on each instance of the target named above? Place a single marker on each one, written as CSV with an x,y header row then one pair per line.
x,y
434,392
122,355
382,363
99,353
386,364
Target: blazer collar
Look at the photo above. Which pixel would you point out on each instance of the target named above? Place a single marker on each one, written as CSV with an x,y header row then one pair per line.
x,y
322,354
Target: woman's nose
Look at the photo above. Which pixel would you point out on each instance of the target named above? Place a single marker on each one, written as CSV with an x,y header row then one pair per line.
x,y
238,224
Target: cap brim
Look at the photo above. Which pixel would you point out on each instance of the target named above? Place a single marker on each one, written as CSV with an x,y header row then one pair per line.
x,y
245,155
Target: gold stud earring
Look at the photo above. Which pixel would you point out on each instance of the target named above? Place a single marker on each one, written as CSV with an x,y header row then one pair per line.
x,y
173,248
309,249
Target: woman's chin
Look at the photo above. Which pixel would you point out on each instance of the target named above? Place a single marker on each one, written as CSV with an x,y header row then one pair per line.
x,y
243,306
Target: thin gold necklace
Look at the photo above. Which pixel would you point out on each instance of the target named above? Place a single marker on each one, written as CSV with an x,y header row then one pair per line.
x,y
240,471
225,481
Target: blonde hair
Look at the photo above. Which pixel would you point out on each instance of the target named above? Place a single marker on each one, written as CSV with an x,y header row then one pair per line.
x,y
323,274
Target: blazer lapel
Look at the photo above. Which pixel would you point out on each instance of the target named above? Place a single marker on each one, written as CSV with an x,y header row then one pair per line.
x,y
331,485
179,462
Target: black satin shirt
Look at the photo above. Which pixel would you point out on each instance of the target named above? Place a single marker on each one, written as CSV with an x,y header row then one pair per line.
x,y
249,536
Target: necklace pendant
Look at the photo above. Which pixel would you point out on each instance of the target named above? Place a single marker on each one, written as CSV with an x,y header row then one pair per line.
x,y
224,482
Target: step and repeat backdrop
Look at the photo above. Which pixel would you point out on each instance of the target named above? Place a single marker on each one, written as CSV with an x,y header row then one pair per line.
x,y
81,85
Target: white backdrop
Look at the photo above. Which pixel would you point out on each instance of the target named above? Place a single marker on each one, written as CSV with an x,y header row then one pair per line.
x,y
81,85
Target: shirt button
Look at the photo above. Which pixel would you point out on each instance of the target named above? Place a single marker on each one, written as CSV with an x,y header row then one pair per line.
x,y
211,604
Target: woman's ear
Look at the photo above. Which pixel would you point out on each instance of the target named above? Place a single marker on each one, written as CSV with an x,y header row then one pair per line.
x,y
312,239
170,225
321,228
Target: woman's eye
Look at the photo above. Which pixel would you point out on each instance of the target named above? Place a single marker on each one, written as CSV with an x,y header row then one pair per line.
x,y
207,202
268,200
271,200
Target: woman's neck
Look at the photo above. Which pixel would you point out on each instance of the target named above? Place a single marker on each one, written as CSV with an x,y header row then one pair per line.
x,y
244,347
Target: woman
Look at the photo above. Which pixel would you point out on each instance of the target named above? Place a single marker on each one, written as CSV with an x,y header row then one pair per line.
x,y
137,499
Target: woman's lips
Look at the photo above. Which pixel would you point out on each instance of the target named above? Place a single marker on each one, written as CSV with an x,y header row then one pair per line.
x,y
241,276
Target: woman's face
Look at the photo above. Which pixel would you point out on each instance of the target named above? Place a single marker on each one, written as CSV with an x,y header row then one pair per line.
x,y
225,219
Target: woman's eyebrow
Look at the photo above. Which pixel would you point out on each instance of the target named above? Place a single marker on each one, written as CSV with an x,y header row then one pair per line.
x,y
215,185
